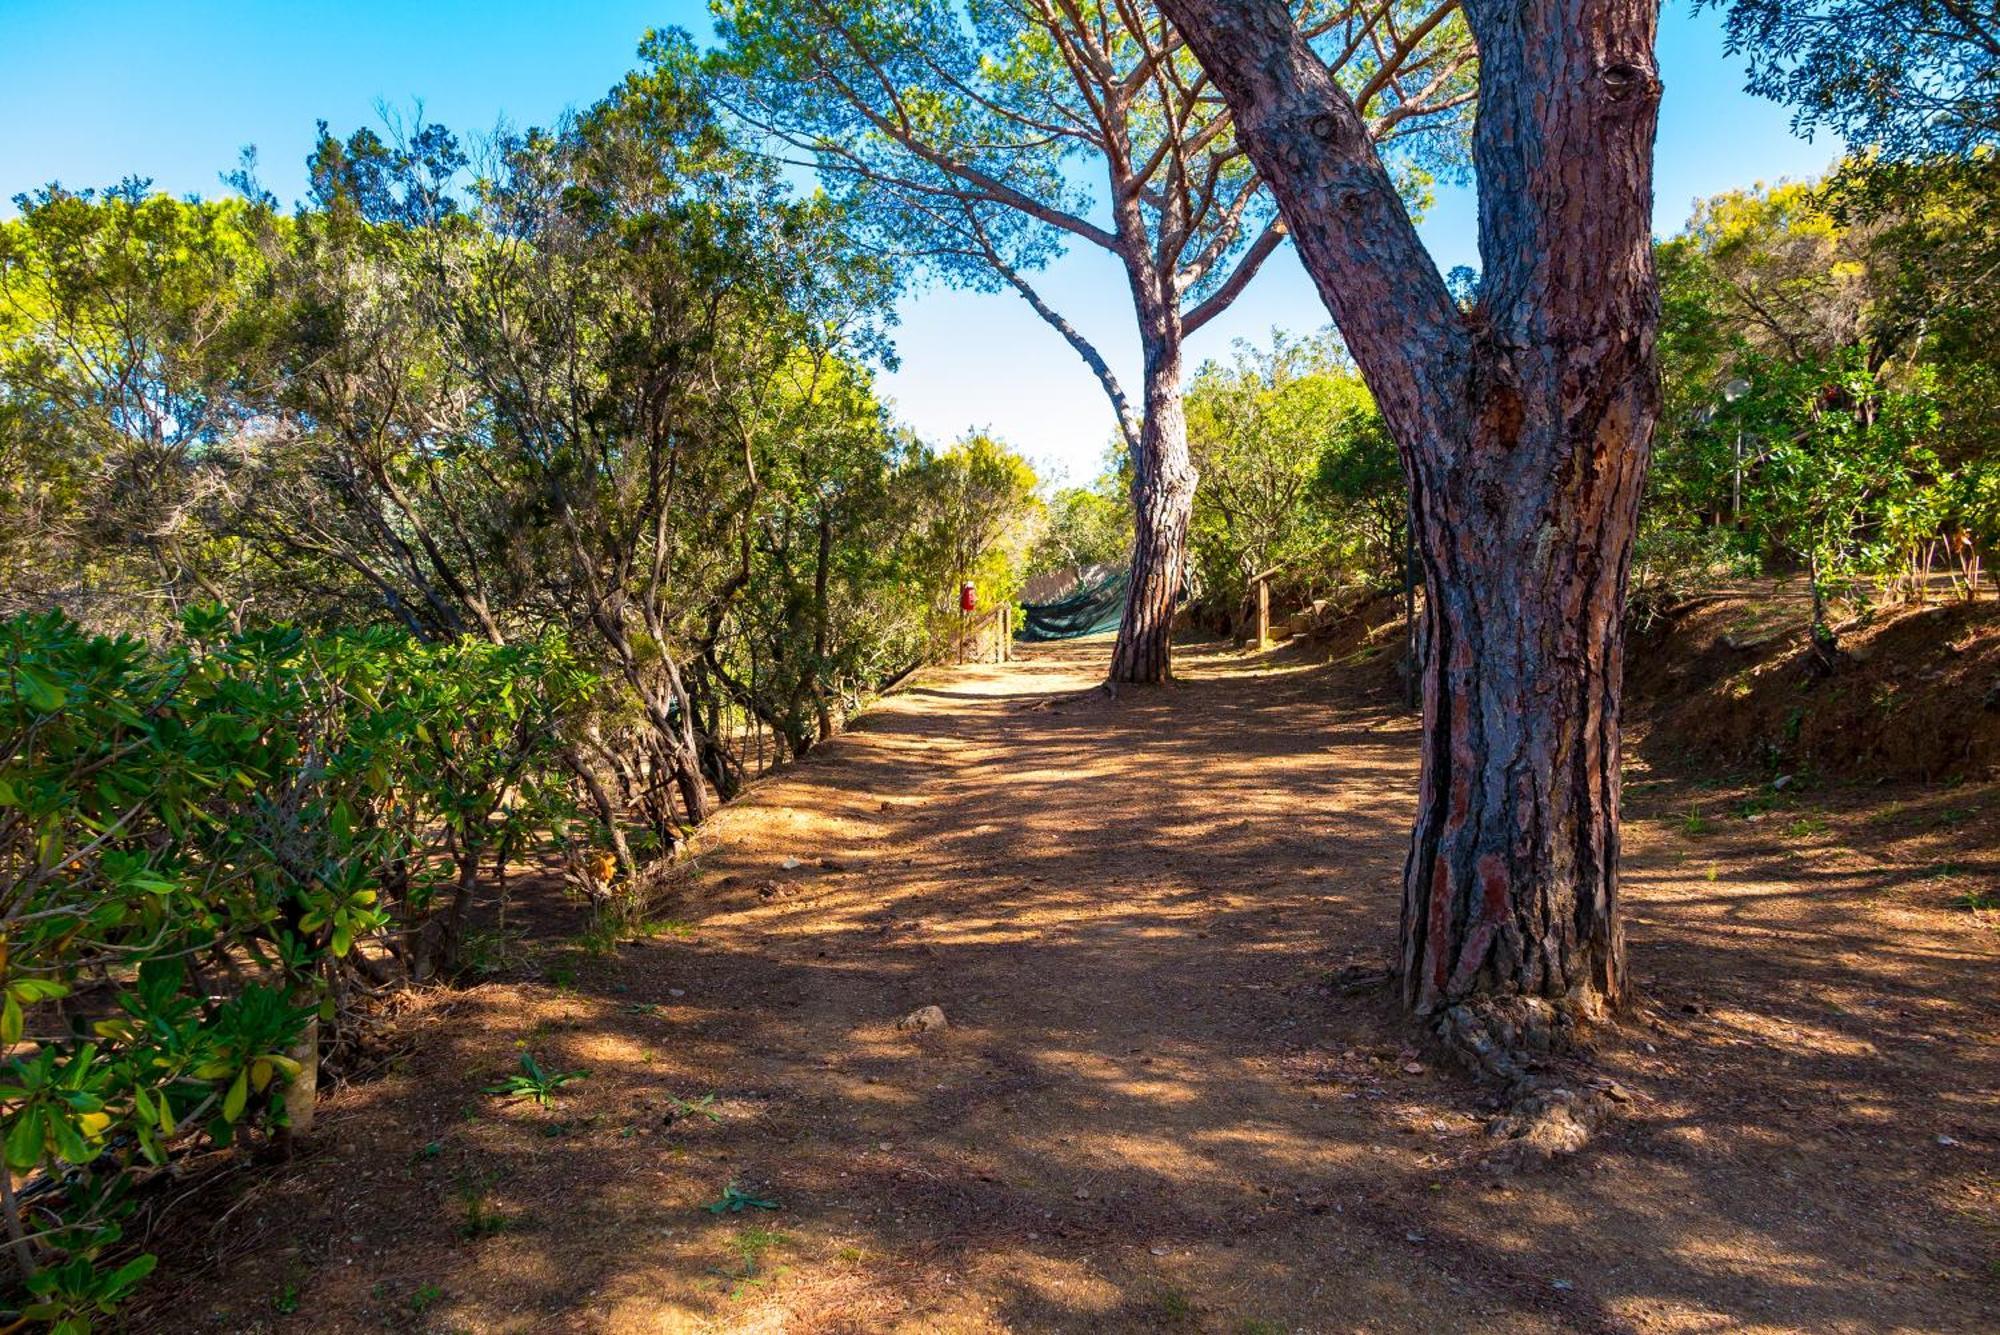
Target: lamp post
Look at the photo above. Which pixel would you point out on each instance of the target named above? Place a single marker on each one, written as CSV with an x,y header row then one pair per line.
x,y
1731,391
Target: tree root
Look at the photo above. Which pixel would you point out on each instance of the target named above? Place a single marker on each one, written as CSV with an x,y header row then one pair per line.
x,y
1512,1042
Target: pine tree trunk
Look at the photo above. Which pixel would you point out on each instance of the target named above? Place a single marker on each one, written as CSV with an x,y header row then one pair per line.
x,y
1525,424
1525,534
1163,484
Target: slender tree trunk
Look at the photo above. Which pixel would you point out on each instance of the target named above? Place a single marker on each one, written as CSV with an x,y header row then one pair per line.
x,y
1163,483
1525,426
607,811
821,629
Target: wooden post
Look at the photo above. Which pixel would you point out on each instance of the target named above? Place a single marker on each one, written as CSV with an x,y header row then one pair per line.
x,y
1263,614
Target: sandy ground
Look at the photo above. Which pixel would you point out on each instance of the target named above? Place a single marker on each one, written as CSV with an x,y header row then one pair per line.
x,y
1151,1111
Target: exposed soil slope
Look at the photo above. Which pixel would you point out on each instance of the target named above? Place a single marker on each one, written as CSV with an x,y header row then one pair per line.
x,y
1916,696
1150,1110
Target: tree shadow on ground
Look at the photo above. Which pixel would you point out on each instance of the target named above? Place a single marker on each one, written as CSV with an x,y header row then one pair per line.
x,y
1151,1109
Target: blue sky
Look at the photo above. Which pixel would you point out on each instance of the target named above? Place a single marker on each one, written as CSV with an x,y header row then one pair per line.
x,y
91,92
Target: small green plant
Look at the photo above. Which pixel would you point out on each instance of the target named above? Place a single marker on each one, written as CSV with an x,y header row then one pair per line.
x,y
1976,901
703,1106
67,1295
1750,808
481,1219
286,1300
425,1295
1694,824
1805,827
1173,1307
535,1083
750,1244
735,1200
599,939
753,1240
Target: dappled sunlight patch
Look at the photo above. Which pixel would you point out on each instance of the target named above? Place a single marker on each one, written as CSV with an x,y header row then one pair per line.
x,y
1150,1109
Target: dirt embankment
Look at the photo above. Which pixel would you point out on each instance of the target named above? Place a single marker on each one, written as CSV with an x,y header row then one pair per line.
x,y
1730,681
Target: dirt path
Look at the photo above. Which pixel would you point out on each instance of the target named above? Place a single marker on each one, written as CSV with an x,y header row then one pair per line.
x,y
1150,1111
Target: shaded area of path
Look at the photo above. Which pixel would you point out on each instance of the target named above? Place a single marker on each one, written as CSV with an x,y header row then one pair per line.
x,y
1150,1111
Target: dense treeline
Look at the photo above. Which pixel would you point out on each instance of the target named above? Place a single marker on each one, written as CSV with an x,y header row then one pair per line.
x,y
503,500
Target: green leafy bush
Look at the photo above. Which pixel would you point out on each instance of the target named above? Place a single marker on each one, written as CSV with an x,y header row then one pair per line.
x,y
201,844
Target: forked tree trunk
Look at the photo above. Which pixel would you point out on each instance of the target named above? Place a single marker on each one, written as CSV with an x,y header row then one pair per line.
x,y
1525,425
1163,483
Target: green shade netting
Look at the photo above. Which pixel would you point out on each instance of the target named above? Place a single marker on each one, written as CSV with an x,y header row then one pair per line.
x,y
1092,609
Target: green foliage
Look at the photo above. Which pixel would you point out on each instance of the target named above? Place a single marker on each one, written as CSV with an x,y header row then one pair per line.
x,y
735,1200
125,317
262,804
1824,402
1082,527
535,1084
1299,476
1918,77
703,1106
971,513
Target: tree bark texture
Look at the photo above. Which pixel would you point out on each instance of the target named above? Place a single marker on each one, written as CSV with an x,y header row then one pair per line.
x,y
1163,484
1525,425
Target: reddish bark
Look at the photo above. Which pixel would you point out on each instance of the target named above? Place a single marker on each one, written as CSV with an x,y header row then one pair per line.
x,y
1525,426
1163,484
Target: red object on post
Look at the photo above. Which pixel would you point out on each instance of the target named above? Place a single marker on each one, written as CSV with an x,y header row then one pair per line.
x,y
966,601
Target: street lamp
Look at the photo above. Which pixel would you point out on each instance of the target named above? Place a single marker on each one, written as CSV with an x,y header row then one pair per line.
x,y
1733,390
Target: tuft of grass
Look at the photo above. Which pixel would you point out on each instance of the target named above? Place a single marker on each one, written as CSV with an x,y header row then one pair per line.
x,y
1805,827
752,1241
750,1244
425,1295
475,1198
1694,824
598,940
